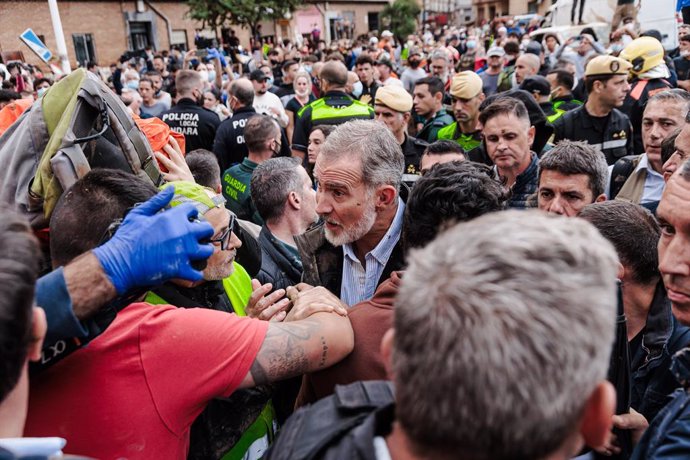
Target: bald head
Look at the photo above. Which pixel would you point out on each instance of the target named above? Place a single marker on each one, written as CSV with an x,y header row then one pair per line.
x,y
526,66
243,90
334,74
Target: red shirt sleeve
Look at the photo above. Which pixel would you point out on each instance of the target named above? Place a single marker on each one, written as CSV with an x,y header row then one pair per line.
x,y
191,356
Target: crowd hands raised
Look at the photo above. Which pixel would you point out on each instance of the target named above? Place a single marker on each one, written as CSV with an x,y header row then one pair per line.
x,y
344,263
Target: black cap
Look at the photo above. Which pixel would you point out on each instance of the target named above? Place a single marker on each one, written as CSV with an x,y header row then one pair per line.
x,y
533,47
258,75
536,84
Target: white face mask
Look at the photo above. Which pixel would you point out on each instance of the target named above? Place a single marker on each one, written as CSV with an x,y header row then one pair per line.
x,y
41,91
357,89
211,75
204,75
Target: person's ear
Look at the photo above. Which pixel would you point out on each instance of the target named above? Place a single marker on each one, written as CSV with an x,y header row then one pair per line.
x,y
600,198
439,96
39,327
387,352
406,117
620,272
530,134
596,421
385,196
294,200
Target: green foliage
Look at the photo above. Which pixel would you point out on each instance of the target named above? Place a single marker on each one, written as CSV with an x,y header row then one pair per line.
x,y
401,17
216,13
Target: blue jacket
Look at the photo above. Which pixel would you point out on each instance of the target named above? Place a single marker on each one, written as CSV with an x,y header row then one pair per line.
x,y
525,185
653,383
668,436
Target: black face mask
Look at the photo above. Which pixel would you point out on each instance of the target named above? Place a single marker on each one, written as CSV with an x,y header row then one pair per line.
x,y
414,64
273,61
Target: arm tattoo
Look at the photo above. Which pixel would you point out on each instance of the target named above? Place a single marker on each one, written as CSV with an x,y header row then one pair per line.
x,y
284,352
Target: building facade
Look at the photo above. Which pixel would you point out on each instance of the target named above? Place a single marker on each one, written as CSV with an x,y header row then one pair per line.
x,y
489,9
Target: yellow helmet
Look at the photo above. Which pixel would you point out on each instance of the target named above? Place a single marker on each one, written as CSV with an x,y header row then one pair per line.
x,y
643,53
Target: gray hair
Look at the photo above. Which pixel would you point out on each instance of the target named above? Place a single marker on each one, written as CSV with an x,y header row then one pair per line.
x,y
440,54
501,340
570,158
271,183
382,158
674,96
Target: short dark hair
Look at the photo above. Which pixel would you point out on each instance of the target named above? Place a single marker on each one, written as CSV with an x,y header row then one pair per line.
x,y
204,167
19,263
258,130
511,48
325,129
152,73
434,83
589,81
84,212
146,80
6,95
443,147
286,65
364,59
271,183
563,78
633,231
504,106
570,158
38,81
456,192
668,145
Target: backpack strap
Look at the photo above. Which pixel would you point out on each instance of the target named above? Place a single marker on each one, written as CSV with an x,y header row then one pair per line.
x,y
622,169
313,429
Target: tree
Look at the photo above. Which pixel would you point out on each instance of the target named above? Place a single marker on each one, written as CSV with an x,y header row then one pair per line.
x,y
216,13
401,18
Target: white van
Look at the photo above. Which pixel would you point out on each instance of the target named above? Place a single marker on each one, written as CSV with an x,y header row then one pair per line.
x,y
654,14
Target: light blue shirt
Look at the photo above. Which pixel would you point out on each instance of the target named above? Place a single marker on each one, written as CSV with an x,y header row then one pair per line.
x,y
359,283
653,185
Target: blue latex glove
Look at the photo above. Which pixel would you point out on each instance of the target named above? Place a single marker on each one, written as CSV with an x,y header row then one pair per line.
x,y
213,53
151,247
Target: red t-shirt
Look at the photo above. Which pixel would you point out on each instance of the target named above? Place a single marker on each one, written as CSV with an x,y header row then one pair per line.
x,y
135,390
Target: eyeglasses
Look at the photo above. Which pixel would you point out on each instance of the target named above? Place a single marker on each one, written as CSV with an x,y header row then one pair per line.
x,y
224,238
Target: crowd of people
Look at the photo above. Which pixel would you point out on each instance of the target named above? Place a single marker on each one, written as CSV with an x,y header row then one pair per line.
x,y
471,244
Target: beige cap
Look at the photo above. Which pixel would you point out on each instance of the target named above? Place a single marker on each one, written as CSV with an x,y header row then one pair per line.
x,y
607,65
466,85
394,97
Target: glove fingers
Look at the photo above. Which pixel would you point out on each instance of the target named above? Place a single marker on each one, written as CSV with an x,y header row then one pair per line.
x,y
203,251
155,204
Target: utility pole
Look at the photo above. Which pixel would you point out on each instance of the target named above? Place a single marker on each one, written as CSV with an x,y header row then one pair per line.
x,y
59,37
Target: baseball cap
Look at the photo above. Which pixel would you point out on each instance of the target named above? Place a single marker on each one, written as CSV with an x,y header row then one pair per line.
x,y
466,85
536,84
607,65
496,51
386,33
258,75
394,97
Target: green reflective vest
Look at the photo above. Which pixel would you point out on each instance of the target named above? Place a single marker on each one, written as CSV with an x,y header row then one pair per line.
x,y
466,141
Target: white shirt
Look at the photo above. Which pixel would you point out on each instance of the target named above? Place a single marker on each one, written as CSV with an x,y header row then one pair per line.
x,y
381,449
359,283
390,81
263,104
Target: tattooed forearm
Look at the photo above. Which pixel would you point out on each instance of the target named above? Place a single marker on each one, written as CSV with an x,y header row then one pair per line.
x,y
283,353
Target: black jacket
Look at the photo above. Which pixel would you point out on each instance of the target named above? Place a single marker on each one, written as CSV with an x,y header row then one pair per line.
x,y
229,145
278,266
198,124
612,135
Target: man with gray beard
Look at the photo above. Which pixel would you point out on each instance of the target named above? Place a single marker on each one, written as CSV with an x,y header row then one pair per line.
x,y
358,172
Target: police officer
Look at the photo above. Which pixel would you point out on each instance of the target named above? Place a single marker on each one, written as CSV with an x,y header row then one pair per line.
x,y
467,95
334,108
562,83
188,116
392,106
599,122
229,145
650,76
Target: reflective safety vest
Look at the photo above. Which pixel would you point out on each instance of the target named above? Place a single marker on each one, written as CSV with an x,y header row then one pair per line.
x,y
555,116
324,113
466,141
260,434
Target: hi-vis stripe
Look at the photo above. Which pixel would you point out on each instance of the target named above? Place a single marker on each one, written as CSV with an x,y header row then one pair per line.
x,y
611,144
